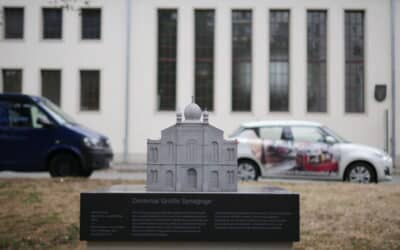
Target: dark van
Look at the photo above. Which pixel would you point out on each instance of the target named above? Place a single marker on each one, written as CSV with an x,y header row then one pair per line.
x,y
35,135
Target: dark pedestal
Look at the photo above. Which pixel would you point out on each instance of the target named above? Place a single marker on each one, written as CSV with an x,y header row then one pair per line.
x,y
123,214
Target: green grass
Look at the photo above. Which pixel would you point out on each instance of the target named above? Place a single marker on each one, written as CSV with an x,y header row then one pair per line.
x,y
44,214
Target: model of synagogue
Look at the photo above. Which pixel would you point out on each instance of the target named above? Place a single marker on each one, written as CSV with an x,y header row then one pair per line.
x,y
192,156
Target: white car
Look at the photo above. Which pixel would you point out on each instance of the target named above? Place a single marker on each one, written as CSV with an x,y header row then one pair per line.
x,y
306,150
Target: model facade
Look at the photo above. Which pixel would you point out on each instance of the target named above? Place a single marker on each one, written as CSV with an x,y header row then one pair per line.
x,y
192,156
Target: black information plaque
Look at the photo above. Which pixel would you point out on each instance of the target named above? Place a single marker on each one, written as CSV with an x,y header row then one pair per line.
x,y
143,216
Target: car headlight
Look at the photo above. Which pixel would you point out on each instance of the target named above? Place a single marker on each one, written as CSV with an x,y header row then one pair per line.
x,y
382,155
92,142
107,142
378,154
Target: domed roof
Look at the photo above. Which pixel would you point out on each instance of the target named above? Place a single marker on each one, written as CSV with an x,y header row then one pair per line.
x,y
192,112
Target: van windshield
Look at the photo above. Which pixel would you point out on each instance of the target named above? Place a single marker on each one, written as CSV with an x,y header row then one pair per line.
x,y
56,112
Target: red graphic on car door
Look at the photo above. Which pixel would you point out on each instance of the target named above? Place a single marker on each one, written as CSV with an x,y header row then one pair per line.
x,y
288,156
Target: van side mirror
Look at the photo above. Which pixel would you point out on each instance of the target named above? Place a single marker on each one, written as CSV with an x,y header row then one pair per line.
x,y
330,140
44,122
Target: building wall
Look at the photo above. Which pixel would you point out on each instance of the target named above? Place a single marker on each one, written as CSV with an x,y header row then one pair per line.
x,y
368,127
108,55
71,54
397,79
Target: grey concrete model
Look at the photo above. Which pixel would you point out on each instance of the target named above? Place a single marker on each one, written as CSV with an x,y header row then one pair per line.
x,y
192,156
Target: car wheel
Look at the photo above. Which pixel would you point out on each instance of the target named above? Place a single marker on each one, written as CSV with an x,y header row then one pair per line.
x,y
86,172
247,171
64,164
360,172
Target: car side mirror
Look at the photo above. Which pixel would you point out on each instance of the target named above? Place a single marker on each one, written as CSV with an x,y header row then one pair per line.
x,y
44,122
330,140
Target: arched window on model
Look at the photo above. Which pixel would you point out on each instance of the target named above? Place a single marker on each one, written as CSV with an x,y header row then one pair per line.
x,y
169,179
191,150
214,152
230,154
231,177
171,151
153,176
153,154
214,179
192,178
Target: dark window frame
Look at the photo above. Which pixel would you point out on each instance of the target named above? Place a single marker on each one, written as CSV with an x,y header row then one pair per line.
x,y
354,62
21,31
91,36
279,60
167,51
43,90
241,91
20,83
85,104
53,34
204,68
317,52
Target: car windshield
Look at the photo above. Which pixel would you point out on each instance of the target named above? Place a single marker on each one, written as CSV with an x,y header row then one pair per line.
x,y
236,132
56,112
334,135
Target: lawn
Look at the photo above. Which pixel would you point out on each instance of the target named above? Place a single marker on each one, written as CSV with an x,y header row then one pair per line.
x,y
44,214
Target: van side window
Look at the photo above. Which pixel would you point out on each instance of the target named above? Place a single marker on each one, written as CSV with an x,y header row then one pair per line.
x,y
21,115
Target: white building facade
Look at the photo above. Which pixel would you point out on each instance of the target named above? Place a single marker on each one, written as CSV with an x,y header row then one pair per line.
x,y
244,60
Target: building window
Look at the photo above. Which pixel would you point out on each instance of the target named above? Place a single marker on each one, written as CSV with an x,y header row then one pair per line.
x,y
241,60
204,58
51,85
91,23
316,61
279,60
13,23
354,47
90,90
52,23
12,81
167,32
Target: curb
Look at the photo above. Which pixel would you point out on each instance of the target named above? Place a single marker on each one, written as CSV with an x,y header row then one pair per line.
x,y
141,168
129,167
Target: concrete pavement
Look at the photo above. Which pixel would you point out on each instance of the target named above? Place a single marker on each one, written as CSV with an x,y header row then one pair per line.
x,y
122,173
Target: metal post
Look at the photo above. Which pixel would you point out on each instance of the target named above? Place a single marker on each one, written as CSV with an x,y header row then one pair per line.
x,y
387,139
393,75
127,83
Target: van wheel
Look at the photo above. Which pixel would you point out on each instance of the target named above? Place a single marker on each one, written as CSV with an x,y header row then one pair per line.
x,y
247,170
64,164
86,172
360,172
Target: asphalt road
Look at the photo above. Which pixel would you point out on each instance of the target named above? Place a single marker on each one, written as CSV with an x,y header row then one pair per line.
x,y
115,174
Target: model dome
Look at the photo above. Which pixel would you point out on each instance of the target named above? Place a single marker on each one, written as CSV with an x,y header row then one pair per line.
x,y
192,112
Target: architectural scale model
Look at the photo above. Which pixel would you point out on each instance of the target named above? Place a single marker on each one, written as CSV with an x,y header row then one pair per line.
x,y
192,156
